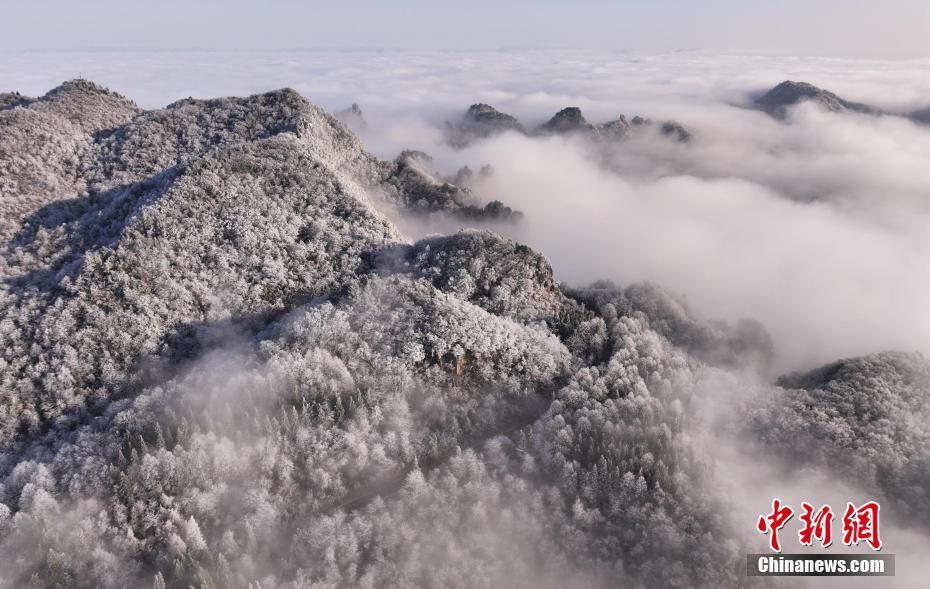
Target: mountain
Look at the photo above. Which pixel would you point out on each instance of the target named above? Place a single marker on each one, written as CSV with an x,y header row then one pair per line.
x,y
863,417
777,100
481,121
274,183
567,120
223,364
921,115
213,337
352,117
12,99
571,121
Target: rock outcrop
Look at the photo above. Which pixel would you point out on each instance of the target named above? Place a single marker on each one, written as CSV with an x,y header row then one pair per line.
x,y
480,121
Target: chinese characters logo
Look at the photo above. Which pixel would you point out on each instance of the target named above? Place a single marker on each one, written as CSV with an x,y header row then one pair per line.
x,y
860,524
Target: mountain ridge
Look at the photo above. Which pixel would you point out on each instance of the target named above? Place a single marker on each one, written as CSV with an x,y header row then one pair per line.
x,y
214,336
787,94
481,121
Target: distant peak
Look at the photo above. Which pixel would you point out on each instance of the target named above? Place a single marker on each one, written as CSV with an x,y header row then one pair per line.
x,y
777,100
482,108
567,120
13,99
790,91
798,87
479,121
676,131
571,113
485,113
353,117
921,116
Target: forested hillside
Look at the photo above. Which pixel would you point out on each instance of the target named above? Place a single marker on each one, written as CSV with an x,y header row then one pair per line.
x,y
223,365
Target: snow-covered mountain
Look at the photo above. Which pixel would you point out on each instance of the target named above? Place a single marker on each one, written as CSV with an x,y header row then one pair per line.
x,y
223,365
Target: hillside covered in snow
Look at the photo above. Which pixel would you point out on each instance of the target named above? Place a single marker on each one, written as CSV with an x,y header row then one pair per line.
x,y
224,364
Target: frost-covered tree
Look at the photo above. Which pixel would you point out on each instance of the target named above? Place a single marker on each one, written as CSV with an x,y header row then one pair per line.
x,y
867,418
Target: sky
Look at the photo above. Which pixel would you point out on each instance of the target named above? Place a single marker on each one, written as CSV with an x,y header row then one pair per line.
x,y
839,28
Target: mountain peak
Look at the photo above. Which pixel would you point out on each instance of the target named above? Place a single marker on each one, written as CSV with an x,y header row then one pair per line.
x,y
81,86
480,121
486,113
88,105
353,117
567,120
788,93
481,109
921,116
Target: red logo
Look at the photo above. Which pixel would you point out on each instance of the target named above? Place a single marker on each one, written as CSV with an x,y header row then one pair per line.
x,y
770,524
817,526
859,524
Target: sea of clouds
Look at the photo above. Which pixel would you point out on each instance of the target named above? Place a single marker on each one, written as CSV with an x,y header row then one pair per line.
x,y
819,226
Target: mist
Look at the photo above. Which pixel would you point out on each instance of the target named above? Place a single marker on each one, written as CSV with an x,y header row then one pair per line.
x,y
814,227
831,275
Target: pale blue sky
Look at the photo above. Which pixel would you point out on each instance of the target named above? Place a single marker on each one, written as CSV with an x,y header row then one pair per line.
x,y
849,28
